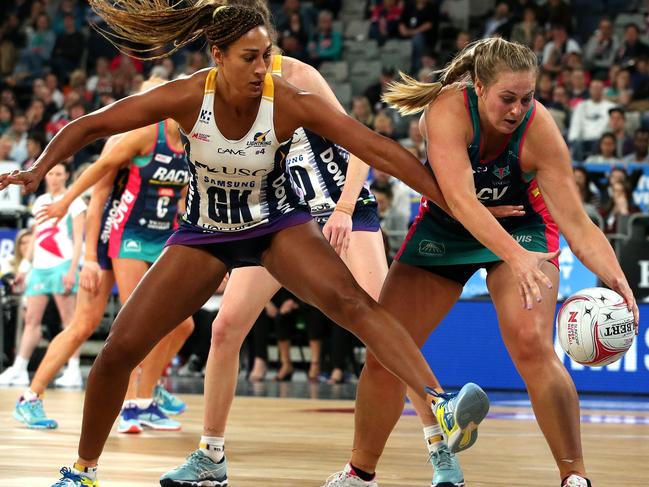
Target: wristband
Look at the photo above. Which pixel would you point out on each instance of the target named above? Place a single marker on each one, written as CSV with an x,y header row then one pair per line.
x,y
344,207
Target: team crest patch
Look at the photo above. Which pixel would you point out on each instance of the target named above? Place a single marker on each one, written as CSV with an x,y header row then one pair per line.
x,y
132,245
501,172
431,249
164,158
259,140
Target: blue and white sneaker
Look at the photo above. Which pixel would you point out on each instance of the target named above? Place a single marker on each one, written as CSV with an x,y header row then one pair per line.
x,y
446,469
32,414
152,417
167,402
128,420
459,415
71,478
199,470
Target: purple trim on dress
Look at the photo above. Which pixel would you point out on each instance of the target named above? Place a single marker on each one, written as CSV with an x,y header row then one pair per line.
x,y
187,235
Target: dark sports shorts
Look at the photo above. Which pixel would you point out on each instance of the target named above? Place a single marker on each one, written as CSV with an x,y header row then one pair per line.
x,y
364,219
243,250
105,262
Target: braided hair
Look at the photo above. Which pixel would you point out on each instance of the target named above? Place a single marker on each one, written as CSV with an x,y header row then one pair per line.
x,y
151,29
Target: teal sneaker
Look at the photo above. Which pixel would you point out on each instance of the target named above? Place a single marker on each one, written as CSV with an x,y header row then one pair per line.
x,y
199,470
128,420
167,402
446,469
32,414
71,478
459,415
152,417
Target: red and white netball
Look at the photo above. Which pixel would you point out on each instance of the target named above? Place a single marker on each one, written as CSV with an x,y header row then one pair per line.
x,y
595,327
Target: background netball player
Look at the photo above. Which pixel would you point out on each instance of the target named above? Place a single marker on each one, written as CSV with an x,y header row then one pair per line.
x,y
489,143
54,251
144,218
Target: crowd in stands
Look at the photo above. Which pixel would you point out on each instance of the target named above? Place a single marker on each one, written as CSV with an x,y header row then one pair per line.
x,y
593,76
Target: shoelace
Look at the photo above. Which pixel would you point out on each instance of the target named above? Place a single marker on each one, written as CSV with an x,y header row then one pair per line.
x,y
447,396
444,461
67,474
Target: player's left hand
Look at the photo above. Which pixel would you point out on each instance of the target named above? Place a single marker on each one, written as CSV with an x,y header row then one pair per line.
x,y
504,211
68,281
28,179
338,231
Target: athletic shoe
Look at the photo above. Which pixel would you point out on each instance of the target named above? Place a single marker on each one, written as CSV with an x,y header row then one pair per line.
x,y
167,402
14,377
198,470
446,469
71,379
575,480
152,417
192,368
348,478
128,420
74,479
32,414
459,415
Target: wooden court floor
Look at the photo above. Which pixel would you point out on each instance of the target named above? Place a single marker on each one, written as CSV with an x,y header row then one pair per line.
x,y
287,443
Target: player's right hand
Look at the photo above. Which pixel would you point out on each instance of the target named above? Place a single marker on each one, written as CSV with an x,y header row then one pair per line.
x,y
28,179
89,276
526,267
504,211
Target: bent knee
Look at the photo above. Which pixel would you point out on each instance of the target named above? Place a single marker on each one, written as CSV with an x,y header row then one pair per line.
x,y
228,331
532,345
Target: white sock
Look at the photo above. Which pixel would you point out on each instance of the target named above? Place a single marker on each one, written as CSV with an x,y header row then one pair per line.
x,y
90,472
144,403
20,363
129,403
29,395
73,363
213,447
432,435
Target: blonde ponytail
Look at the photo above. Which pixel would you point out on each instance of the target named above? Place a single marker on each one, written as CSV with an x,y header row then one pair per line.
x,y
481,59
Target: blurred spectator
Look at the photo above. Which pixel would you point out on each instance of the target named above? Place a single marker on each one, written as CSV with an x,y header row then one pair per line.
x,y
400,192
601,48
195,62
362,111
393,221
36,116
333,6
560,108
588,196
327,43
18,135
52,84
617,124
374,92
616,212
101,72
640,85
415,139
589,121
640,148
462,40
606,150
620,90
78,82
632,47
35,145
67,8
555,51
5,148
525,32
9,267
293,37
290,7
38,51
578,87
6,116
539,47
556,12
500,23
12,39
68,49
544,88
384,125
384,21
419,23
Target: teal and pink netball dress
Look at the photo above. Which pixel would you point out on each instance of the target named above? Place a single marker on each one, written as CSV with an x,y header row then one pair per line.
x,y
146,215
442,245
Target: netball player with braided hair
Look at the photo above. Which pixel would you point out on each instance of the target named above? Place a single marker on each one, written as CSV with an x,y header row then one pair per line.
x,y
489,142
240,206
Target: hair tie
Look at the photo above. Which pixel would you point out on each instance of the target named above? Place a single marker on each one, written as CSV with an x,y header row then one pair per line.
x,y
217,10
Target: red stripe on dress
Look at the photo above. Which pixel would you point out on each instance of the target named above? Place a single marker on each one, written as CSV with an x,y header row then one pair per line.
x,y
535,198
117,228
413,227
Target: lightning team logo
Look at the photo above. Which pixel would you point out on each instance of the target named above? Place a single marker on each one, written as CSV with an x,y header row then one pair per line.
x,y
259,140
